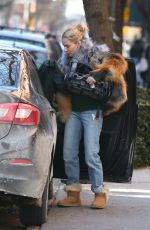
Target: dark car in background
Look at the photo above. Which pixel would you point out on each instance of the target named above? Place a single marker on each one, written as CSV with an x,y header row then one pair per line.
x,y
28,132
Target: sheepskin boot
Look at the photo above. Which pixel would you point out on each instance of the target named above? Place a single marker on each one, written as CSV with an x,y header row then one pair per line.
x,y
101,199
73,196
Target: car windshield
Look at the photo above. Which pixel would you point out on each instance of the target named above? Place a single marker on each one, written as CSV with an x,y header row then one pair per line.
x,y
8,68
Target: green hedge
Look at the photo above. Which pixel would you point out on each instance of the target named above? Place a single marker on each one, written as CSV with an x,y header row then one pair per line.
x,y
142,156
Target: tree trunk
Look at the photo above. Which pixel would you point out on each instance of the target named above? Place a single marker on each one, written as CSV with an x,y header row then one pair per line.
x,y
118,25
96,13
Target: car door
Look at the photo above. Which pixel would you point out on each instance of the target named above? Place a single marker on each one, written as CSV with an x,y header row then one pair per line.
x,y
9,77
48,116
117,140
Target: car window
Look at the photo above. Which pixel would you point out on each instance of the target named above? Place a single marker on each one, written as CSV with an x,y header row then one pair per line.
x,y
8,68
35,82
38,56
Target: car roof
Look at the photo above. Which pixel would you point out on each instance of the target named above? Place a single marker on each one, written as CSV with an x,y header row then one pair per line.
x,y
24,36
21,45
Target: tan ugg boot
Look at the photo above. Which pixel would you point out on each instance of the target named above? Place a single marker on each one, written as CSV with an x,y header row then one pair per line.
x,y
101,199
73,196
72,200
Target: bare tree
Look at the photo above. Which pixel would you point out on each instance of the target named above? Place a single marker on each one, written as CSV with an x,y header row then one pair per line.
x,y
105,20
97,17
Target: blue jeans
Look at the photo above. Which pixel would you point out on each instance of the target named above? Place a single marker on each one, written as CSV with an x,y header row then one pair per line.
x,y
91,127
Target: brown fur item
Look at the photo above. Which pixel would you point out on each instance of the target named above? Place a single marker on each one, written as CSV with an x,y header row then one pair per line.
x,y
63,106
117,66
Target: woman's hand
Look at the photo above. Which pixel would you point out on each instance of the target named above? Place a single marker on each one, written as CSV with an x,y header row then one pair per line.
x,y
90,80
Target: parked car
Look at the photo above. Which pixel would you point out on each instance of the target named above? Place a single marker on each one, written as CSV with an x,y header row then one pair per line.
x,y
39,54
17,34
32,40
28,132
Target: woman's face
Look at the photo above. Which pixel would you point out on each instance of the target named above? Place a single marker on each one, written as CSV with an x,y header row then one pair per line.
x,y
70,47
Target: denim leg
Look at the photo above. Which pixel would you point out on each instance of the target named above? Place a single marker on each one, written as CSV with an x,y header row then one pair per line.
x,y
72,138
92,129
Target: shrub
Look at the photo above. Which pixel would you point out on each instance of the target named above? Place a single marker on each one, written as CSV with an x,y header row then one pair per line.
x,y
142,156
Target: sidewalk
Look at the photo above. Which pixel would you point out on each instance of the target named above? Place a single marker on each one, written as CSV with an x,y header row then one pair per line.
x,y
141,175
140,180
128,207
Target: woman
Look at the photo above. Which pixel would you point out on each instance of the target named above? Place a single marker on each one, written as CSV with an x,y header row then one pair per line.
x,y
78,48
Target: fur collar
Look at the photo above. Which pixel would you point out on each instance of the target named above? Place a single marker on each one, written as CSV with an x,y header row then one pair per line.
x,y
87,51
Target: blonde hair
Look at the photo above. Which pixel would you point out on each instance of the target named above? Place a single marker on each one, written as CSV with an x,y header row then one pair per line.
x,y
76,33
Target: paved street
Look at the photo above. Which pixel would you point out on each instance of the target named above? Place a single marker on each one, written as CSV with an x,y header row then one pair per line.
x,y
128,209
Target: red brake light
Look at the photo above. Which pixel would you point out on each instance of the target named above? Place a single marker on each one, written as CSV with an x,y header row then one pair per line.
x,y
16,161
19,113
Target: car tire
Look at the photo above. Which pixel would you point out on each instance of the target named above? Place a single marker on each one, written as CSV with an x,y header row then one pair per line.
x,y
32,215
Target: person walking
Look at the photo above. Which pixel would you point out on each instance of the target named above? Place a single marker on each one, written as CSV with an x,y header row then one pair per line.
x,y
86,117
137,52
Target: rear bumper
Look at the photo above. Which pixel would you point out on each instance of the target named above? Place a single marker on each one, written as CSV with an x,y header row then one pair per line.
x,y
23,179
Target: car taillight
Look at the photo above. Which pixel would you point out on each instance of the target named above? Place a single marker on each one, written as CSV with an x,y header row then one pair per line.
x,y
18,161
19,113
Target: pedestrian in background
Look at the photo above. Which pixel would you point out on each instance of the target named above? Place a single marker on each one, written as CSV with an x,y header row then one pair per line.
x,y
53,46
137,52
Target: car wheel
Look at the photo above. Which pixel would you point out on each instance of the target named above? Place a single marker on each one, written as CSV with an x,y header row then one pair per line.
x,y
32,215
